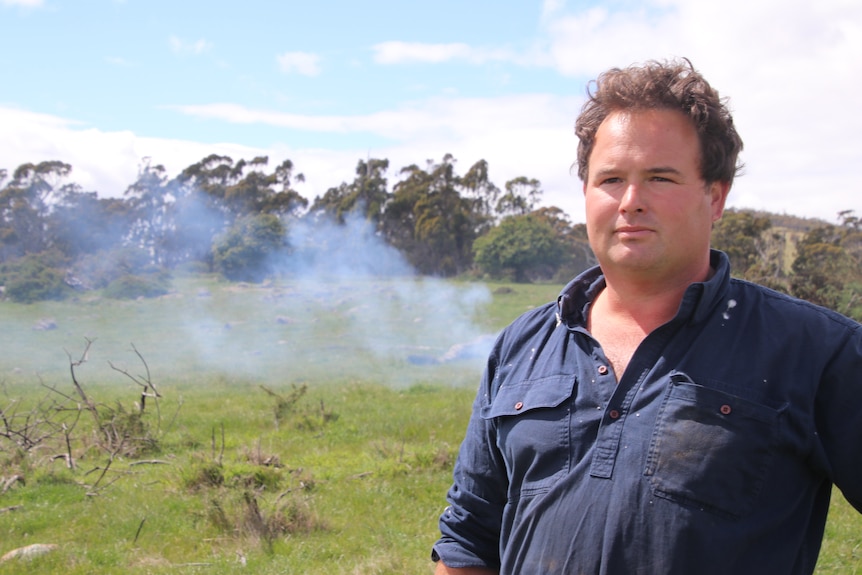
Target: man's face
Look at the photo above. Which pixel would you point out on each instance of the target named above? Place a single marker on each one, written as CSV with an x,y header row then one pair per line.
x,y
648,210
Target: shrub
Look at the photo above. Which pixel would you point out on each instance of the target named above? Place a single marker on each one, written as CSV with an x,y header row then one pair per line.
x,y
245,252
133,287
33,278
204,475
100,269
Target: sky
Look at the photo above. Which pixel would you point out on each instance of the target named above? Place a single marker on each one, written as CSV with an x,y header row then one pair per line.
x,y
109,85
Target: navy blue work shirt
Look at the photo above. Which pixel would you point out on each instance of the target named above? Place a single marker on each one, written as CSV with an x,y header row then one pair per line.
x,y
714,454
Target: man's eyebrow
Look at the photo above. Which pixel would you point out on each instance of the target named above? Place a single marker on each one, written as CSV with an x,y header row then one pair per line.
x,y
605,172
663,170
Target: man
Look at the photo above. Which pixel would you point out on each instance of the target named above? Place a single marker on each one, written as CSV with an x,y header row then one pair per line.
x,y
660,417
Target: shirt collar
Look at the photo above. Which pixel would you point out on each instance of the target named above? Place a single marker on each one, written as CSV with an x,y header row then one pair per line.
x,y
698,302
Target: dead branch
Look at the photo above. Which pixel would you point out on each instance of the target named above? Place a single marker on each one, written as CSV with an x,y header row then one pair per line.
x,y
138,532
91,407
53,389
11,508
175,415
70,464
213,440
8,483
43,422
150,462
147,384
95,488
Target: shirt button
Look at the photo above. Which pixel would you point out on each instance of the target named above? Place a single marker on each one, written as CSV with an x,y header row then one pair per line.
x,y
726,409
519,405
603,370
614,414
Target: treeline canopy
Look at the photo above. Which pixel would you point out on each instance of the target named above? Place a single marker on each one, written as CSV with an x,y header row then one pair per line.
x,y
235,217
240,218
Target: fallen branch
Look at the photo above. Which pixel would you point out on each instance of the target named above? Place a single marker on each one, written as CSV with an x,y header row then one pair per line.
x,y
65,457
150,462
138,532
7,484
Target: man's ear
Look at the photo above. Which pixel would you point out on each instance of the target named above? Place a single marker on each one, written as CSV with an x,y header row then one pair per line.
x,y
718,196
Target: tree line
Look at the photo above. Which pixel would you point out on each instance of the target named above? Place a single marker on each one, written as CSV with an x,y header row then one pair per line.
x,y
235,218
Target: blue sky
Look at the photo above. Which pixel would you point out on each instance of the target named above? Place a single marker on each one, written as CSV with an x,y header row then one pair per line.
x,y
102,84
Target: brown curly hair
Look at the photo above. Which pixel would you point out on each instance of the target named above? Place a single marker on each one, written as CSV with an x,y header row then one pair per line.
x,y
673,85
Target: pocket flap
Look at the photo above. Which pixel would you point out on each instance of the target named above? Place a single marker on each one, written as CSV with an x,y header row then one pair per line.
x,y
528,395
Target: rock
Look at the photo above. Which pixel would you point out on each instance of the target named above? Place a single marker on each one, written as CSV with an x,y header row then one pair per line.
x,y
29,552
45,324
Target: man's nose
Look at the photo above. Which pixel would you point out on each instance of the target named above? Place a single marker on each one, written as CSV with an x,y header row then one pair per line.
x,y
632,199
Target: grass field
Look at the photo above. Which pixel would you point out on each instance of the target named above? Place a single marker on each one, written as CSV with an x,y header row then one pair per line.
x,y
301,428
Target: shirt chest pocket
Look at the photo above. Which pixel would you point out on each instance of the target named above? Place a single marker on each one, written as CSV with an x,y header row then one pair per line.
x,y
532,422
711,449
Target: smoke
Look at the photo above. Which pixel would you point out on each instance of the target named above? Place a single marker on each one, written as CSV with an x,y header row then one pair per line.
x,y
341,305
345,306
324,249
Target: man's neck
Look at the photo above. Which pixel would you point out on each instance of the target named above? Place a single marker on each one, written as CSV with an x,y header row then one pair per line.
x,y
645,302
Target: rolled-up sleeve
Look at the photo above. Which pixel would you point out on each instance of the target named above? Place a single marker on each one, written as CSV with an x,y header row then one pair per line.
x,y
470,526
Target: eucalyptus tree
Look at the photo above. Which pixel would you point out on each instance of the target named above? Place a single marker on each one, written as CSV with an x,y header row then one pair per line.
x,y
429,220
26,200
82,224
151,201
483,194
215,193
367,194
521,197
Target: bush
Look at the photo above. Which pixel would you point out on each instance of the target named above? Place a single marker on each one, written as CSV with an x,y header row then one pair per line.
x,y
133,286
99,270
521,248
33,278
245,252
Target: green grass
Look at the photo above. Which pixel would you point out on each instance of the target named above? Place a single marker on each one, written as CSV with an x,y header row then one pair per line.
x,y
357,491
369,487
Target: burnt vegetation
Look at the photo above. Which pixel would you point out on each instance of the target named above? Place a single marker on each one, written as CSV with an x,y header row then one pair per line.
x,y
252,496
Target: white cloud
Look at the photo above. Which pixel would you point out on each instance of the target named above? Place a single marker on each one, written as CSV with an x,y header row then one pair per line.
x,y
300,62
438,117
105,162
529,135
790,68
585,43
180,46
551,8
395,52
